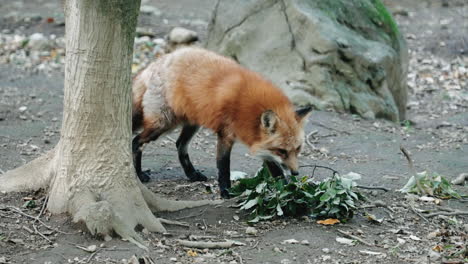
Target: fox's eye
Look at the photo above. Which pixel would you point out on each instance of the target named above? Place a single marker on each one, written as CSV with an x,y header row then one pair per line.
x,y
281,152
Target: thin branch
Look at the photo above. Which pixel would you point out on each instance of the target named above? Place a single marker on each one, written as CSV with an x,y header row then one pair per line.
x,y
42,235
330,128
92,255
318,166
308,142
356,238
46,200
419,214
455,212
413,171
35,218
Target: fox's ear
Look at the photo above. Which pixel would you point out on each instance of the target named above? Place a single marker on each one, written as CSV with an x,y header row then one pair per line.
x,y
303,112
268,121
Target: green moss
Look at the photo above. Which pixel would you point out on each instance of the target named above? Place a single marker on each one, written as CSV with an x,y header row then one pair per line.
x,y
369,17
385,15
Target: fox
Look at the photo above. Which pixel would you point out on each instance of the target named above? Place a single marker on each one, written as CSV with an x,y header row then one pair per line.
x,y
193,87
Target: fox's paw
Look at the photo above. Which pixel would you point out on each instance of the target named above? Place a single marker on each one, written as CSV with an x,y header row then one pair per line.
x,y
144,176
197,176
225,194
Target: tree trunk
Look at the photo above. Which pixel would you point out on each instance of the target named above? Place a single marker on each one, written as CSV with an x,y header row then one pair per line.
x,y
90,171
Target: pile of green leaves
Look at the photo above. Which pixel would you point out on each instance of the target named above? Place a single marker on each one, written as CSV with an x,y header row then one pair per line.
x,y
433,185
265,197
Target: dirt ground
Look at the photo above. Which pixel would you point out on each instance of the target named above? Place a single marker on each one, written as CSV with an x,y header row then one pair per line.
x,y
436,135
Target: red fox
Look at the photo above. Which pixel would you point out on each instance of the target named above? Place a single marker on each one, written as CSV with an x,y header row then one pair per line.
x,y
194,87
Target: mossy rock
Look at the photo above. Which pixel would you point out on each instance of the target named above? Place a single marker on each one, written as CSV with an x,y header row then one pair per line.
x,y
343,54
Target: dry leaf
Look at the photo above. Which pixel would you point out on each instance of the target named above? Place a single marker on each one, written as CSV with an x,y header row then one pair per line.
x,y
437,248
374,219
329,221
192,253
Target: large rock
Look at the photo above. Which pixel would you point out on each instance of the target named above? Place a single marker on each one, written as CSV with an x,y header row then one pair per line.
x,y
341,54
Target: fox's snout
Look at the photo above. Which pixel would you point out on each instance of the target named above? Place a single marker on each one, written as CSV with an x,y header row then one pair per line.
x,y
291,165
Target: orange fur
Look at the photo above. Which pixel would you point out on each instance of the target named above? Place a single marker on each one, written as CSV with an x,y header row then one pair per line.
x,y
203,88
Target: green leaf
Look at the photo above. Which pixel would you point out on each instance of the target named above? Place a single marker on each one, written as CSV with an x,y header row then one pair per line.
x,y
249,204
261,187
254,220
325,197
279,211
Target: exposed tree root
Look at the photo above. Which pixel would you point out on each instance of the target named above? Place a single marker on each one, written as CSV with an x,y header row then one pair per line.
x,y
118,207
33,175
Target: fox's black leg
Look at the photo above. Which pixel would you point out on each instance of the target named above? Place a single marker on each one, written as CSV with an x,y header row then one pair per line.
x,y
144,137
223,162
274,169
137,153
188,131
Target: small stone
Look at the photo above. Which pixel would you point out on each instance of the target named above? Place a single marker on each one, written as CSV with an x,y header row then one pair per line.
x,y
22,109
305,242
285,261
277,250
326,250
159,41
290,241
173,259
37,41
180,35
251,231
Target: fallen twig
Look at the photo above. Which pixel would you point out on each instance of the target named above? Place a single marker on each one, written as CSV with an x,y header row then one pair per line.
x,y
209,244
92,255
452,213
42,235
318,166
46,200
356,238
171,139
194,237
419,214
413,171
373,188
379,203
307,140
17,210
330,128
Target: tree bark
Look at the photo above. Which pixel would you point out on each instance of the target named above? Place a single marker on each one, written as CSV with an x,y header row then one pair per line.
x,y
90,171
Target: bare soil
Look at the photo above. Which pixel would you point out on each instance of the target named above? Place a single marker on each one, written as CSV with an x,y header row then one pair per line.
x,y
437,138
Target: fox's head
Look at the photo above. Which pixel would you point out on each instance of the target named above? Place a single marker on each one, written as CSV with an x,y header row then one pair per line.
x,y
282,137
